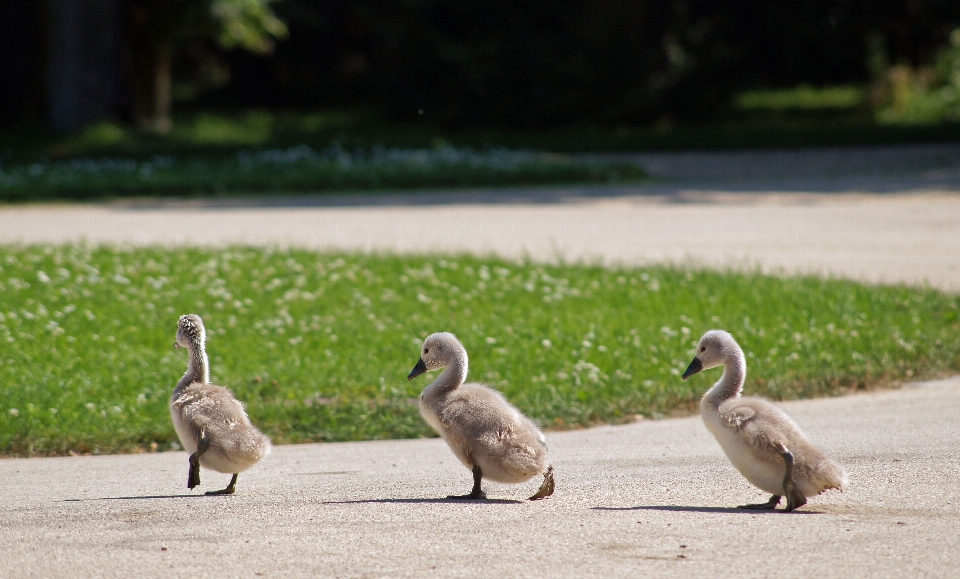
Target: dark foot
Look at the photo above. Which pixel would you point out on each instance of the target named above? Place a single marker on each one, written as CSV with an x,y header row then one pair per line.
x,y
546,489
769,505
477,493
193,477
795,498
231,488
476,496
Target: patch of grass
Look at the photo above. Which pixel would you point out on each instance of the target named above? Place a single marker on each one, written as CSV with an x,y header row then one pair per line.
x,y
302,168
319,345
803,98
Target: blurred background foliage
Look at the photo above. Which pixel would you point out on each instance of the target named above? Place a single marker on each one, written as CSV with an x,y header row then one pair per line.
x,y
470,65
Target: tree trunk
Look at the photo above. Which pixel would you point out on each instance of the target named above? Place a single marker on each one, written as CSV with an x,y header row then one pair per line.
x,y
151,78
83,76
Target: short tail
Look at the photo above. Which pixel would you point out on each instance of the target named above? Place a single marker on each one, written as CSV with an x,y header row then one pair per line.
x,y
264,446
831,475
252,447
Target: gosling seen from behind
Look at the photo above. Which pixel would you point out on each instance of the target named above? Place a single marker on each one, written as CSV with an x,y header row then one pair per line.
x,y
212,425
487,433
761,441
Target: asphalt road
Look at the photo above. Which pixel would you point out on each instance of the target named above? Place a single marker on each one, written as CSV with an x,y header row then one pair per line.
x,y
648,498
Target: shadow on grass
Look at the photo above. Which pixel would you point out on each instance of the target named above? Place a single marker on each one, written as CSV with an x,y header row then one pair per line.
x,y
439,501
684,509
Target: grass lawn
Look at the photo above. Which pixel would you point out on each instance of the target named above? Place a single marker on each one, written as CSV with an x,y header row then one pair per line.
x,y
319,345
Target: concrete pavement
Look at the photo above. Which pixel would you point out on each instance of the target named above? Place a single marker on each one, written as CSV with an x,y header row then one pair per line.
x,y
653,498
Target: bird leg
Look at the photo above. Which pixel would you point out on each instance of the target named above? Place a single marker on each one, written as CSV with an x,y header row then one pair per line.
x,y
231,488
477,492
795,498
193,478
546,489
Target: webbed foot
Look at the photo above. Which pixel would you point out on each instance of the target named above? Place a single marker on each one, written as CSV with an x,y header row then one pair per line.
x,y
474,495
546,489
477,492
795,498
771,504
231,488
193,476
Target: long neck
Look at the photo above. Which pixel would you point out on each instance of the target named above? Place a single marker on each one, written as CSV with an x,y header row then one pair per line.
x,y
731,383
198,370
452,376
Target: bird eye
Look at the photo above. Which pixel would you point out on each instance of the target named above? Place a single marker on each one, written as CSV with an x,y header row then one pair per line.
x,y
703,349
426,350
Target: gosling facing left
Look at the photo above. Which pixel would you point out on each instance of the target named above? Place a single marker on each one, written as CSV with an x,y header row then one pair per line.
x,y
760,439
487,433
212,424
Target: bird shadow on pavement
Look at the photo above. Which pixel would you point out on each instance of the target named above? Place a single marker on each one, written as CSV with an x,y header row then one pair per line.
x,y
441,501
684,509
135,498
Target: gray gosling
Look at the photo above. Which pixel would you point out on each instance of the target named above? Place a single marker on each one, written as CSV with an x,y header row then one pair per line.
x,y
212,425
761,441
487,433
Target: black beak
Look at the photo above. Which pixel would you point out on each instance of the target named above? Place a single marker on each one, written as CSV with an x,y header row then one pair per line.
x,y
695,367
420,368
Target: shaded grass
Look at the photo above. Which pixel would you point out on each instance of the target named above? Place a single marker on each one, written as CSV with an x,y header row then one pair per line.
x,y
800,117
805,98
301,168
318,345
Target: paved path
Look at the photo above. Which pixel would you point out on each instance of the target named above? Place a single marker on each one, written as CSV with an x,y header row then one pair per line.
x,y
899,223
649,498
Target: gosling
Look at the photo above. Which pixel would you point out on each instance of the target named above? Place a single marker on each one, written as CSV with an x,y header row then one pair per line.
x,y
212,425
761,441
487,433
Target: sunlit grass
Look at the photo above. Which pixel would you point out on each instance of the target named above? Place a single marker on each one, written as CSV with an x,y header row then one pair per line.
x,y
319,345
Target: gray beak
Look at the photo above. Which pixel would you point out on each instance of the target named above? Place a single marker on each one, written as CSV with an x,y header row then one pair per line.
x,y
695,367
420,368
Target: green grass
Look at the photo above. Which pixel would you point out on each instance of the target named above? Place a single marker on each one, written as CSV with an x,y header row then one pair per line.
x,y
301,168
319,345
803,98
